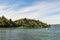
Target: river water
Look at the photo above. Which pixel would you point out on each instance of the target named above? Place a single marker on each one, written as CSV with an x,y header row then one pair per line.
x,y
52,33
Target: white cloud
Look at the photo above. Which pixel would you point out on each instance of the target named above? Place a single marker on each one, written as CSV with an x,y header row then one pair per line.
x,y
55,19
36,11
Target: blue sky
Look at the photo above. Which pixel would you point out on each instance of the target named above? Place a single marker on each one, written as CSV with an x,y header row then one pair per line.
x,y
47,11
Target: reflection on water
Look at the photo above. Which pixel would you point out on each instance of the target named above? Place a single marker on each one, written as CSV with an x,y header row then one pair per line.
x,y
30,34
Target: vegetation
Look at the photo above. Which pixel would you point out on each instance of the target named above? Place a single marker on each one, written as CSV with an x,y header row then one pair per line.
x,y
22,23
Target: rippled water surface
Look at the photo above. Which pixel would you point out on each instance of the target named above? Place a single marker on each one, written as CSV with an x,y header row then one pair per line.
x,y
31,34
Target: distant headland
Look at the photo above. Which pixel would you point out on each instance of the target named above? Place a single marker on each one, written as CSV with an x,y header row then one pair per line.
x,y
22,23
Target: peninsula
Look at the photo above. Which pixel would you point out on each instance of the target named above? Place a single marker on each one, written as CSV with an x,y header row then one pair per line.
x,y
22,23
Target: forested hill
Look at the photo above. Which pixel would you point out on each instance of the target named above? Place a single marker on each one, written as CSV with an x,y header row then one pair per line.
x,y
6,23
30,23
22,23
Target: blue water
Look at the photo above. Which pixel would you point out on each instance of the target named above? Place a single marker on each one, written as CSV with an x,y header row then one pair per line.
x,y
31,34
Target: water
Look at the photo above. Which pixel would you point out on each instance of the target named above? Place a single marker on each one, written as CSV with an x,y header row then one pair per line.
x,y
31,34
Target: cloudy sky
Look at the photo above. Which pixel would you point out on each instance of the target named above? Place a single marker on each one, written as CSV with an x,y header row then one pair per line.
x,y
47,11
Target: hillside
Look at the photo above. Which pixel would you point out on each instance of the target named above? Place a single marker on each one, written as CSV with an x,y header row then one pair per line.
x,y
22,23
30,23
6,23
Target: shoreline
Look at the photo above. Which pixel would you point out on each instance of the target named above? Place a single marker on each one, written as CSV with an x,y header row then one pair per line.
x,y
20,28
